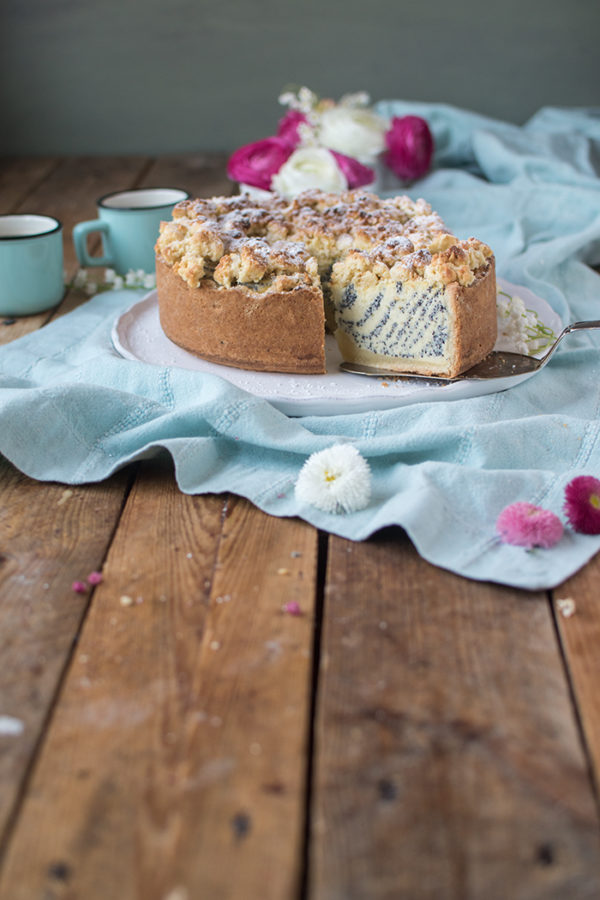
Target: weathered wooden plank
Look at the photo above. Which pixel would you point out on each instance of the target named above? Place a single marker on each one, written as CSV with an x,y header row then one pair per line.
x,y
42,628
19,177
50,536
579,629
203,175
448,759
174,764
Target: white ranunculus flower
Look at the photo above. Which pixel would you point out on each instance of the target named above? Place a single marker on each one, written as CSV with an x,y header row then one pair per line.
x,y
307,168
354,131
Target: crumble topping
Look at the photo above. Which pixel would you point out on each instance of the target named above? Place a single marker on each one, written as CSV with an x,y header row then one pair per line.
x,y
415,259
275,244
255,260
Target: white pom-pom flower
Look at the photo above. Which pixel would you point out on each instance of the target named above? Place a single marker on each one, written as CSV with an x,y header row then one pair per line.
x,y
336,480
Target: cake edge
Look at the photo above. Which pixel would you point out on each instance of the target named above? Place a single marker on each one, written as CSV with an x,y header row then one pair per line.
x,y
270,332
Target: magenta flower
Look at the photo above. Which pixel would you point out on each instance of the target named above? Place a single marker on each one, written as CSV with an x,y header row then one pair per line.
x,y
529,526
410,147
288,127
255,164
354,172
582,504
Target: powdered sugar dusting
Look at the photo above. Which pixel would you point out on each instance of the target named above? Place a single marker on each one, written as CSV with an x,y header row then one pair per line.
x,y
325,225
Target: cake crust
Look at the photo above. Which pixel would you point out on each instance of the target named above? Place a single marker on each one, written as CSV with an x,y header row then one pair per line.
x,y
475,319
272,332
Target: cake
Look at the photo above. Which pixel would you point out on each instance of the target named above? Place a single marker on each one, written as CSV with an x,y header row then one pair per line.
x,y
256,284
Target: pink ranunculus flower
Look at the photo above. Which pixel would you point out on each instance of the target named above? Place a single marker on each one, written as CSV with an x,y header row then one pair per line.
x,y
288,127
354,172
410,147
256,163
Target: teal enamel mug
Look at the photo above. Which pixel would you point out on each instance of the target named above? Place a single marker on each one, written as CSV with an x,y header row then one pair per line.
x,y
128,222
31,264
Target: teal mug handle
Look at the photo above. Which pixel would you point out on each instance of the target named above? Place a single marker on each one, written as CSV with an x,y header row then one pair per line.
x,y
80,233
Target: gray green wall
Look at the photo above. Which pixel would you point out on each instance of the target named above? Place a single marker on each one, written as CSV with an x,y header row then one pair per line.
x,y
139,76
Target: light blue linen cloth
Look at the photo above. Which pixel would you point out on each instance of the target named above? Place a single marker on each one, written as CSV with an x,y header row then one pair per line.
x,y
73,411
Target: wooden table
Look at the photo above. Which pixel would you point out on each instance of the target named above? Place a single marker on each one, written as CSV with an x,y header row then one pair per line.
x,y
411,735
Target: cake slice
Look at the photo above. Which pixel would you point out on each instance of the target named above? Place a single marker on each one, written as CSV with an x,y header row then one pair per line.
x,y
429,311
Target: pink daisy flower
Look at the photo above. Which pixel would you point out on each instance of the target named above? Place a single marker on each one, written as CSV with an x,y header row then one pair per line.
x,y
527,525
582,504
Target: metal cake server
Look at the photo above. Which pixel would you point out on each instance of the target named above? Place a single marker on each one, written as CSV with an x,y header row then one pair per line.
x,y
497,364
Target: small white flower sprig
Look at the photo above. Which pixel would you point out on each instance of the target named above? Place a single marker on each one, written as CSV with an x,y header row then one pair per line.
x,y
335,480
520,329
133,280
312,107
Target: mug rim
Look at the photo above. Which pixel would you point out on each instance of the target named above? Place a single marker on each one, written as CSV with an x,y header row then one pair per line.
x,y
37,234
102,200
